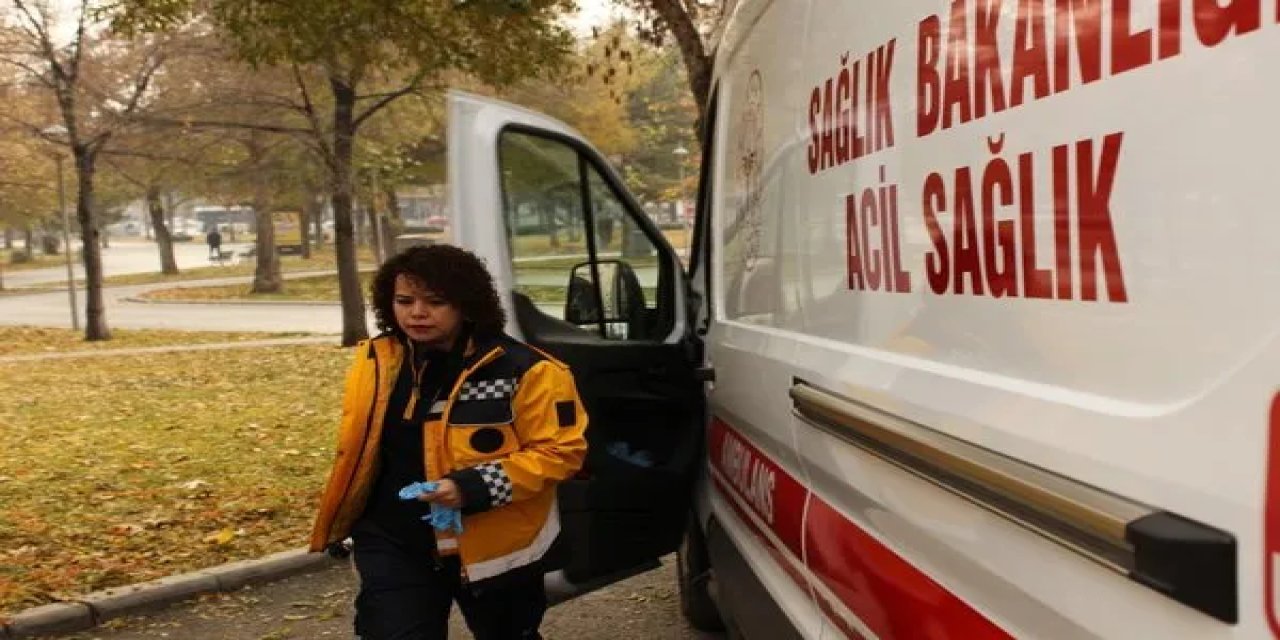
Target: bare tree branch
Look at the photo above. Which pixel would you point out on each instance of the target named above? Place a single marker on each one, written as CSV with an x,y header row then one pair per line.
x,y
224,124
41,76
77,54
309,108
39,29
152,63
387,98
693,50
25,185
186,160
137,182
35,130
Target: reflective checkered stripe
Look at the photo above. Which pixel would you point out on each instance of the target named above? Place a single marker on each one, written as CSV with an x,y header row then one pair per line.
x,y
501,490
488,389
534,552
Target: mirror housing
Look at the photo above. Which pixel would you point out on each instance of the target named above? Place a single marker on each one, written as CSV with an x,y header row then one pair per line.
x,y
622,297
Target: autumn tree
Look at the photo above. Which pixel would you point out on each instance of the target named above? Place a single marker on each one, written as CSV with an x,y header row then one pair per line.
x,y
403,146
691,24
27,197
158,165
95,85
369,55
664,116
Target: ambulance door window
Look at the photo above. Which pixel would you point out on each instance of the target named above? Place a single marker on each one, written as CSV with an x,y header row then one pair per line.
x,y
546,220
629,268
579,257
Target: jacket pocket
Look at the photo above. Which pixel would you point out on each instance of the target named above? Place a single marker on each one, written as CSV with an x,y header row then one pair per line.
x,y
480,428
473,444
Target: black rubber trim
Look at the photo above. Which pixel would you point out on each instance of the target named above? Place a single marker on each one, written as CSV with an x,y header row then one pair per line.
x,y
1190,562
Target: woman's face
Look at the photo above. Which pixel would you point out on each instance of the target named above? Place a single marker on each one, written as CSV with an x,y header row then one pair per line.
x,y
424,316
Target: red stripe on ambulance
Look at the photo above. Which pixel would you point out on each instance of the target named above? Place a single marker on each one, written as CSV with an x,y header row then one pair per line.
x,y
889,595
1272,518
774,495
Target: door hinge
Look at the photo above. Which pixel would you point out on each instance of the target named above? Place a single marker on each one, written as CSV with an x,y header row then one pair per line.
x,y
705,374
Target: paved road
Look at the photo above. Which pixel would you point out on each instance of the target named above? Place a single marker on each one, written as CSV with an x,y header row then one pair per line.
x,y
123,257
318,605
50,310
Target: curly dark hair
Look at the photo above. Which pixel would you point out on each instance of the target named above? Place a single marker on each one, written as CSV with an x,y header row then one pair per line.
x,y
453,273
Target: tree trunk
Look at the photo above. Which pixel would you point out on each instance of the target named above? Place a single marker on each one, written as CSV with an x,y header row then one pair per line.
x,y
8,238
376,236
318,222
164,240
49,240
29,239
266,275
95,326
358,222
697,62
354,328
392,224
304,224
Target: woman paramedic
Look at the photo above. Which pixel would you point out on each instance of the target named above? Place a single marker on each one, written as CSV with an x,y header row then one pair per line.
x,y
443,396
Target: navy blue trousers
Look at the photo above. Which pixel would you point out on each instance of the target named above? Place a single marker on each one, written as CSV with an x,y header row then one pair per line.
x,y
407,594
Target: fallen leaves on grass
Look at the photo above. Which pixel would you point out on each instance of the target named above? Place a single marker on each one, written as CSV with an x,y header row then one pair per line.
x,y
124,469
311,289
320,261
28,340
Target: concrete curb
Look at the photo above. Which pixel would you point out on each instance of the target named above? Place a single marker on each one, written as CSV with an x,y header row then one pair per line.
x,y
95,608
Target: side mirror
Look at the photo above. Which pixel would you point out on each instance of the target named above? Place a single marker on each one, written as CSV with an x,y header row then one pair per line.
x,y
622,296
581,306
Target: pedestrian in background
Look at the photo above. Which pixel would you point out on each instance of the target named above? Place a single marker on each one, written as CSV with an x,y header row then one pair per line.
x,y
214,238
443,395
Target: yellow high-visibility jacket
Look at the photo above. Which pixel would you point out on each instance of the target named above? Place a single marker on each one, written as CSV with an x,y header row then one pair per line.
x,y
511,428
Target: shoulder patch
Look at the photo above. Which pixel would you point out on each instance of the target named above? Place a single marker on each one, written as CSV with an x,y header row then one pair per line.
x,y
567,413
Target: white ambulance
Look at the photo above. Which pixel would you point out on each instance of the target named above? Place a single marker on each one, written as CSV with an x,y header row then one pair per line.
x,y
979,335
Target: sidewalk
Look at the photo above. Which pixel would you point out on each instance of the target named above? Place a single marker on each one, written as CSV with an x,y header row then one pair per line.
x,y
319,605
49,309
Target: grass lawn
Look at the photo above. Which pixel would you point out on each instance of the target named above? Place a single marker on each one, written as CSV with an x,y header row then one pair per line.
x,y
39,261
539,246
314,289
26,291
320,261
129,468
543,293
31,340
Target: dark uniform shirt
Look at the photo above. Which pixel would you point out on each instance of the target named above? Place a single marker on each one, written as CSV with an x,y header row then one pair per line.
x,y
401,449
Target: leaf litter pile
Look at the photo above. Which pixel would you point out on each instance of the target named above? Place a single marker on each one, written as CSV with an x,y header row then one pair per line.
x,y
120,469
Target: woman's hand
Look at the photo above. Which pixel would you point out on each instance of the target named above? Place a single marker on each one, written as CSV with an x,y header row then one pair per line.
x,y
445,495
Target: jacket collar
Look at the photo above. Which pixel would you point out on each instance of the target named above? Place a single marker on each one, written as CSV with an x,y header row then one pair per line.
x,y
391,348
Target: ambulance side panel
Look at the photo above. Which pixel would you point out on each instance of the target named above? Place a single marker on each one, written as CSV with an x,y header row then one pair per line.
x,y
755,480
1037,234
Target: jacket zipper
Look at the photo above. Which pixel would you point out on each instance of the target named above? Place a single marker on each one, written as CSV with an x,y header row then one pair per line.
x,y
368,425
492,355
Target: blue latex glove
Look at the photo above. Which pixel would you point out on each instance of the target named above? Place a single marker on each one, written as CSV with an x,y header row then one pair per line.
x,y
622,451
441,518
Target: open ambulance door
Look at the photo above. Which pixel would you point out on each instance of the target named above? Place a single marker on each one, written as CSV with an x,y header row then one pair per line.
x,y
588,277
